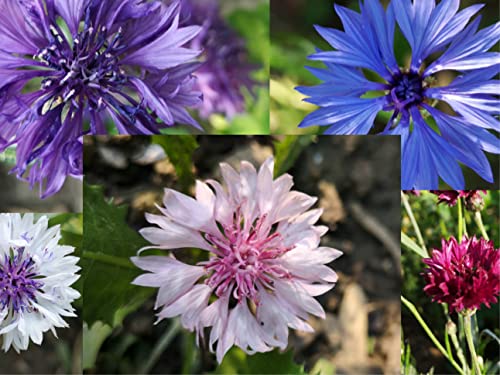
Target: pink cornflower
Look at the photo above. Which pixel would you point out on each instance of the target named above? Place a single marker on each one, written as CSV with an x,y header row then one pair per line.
x,y
265,263
473,199
464,275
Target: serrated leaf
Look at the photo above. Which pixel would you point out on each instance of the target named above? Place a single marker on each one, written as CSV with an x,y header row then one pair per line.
x,y
179,149
237,362
288,151
107,272
409,244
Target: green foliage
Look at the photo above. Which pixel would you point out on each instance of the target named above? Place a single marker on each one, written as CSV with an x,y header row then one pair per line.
x,y
237,362
288,150
323,367
8,156
179,149
254,121
253,25
93,338
409,244
107,272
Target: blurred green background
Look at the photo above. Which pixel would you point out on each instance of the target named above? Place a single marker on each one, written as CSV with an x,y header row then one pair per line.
x,y
293,38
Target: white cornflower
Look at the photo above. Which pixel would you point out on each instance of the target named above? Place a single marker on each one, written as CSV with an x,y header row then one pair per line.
x,y
36,275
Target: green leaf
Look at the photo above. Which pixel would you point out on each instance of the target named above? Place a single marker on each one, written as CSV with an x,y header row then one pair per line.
x,y
179,149
107,271
237,362
93,339
288,151
409,244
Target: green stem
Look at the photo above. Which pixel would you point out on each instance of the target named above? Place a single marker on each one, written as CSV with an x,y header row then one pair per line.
x,y
460,220
433,338
160,347
108,259
451,329
416,228
479,223
470,342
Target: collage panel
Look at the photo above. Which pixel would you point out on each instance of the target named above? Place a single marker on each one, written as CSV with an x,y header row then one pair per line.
x,y
451,266
79,67
249,187
40,293
205,271
422,70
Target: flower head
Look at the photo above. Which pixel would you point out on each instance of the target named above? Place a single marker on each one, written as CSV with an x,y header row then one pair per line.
x,y
350,100
473,199
464,275
265,263
36,275
70,68
225,70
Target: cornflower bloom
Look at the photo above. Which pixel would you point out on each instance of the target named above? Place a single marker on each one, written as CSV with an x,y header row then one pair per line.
x,y
70,68
225,70
473,198
464,274
36,275
265,262
363,77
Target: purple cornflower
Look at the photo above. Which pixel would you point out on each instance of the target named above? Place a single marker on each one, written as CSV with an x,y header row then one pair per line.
x,y
265,267
225,71
73,67
464,275
350,99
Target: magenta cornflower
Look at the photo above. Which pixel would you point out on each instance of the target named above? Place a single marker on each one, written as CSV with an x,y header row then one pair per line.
x,y
463,275
265,264
473,198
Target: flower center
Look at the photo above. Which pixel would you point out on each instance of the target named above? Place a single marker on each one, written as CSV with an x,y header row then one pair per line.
x,y
89,62
407,90
18,282
245,257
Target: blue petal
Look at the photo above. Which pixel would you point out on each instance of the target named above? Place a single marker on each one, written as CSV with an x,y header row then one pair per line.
x,y
468,146
468,50
438,155
345,109
453,27
358,125
383,26
404,16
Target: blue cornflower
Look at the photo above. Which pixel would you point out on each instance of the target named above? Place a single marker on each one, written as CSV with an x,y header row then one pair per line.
x,y
433,142
225,70
72,67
